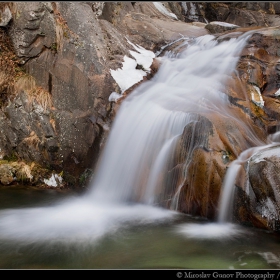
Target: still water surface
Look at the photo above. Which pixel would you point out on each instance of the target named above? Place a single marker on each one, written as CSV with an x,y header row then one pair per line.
x,y
166,243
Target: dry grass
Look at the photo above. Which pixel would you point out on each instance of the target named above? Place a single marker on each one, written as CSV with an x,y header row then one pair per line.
x,y
10,69
52,122
12,77
42,97
59,36
27,84
32,140
5,86
62,29
23,171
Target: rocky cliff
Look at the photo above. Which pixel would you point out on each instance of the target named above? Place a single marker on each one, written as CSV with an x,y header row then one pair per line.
x,y
57,112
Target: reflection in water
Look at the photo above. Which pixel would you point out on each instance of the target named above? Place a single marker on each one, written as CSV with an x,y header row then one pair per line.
x,y
211,230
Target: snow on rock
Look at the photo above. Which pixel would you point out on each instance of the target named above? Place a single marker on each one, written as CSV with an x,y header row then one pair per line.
x,y
114,96
277,93
257,99
143,57
53,181
128,75
221,23
163,10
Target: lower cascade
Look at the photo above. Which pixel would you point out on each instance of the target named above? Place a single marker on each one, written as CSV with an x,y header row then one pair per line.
x,y
129,183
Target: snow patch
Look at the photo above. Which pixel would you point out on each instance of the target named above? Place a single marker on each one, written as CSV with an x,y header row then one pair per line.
x,y
163,10
221,23
277,93
114,96
259,102
53,181
128,75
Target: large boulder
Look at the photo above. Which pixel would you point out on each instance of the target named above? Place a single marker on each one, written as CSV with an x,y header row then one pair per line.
x,y
261,190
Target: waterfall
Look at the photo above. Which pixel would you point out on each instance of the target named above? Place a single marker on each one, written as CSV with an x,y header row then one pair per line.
x,y
152,118
128,180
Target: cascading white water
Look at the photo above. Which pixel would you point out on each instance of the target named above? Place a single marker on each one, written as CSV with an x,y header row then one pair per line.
x,y
144,134
151,119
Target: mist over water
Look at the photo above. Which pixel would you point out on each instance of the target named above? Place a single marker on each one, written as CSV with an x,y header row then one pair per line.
x,y
142,140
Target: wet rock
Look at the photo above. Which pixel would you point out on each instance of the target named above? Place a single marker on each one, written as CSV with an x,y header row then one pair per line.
x,y
204,152
264,186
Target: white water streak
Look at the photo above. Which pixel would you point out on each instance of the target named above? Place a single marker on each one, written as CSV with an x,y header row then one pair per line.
x,y
157,112
227,194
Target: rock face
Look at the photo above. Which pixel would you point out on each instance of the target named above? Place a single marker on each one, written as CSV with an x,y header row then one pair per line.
x,y
58,113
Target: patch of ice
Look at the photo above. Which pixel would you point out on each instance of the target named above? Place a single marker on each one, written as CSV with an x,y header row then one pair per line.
x,y
259,160
277,93
53,180
163,10
143,57
259,102
221,23
128,75
114,96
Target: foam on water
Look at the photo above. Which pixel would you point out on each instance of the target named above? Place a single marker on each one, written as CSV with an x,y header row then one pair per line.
x,y
210,230
76,221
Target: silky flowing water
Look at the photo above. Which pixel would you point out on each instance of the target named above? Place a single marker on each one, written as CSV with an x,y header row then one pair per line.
x,y
118,222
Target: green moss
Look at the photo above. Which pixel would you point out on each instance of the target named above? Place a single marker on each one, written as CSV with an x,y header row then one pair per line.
x,y
54,47
226,155
85,176
69,179
12,157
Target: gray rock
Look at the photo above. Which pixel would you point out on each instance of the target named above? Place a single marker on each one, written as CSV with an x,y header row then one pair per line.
x,y
5,16
33,28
